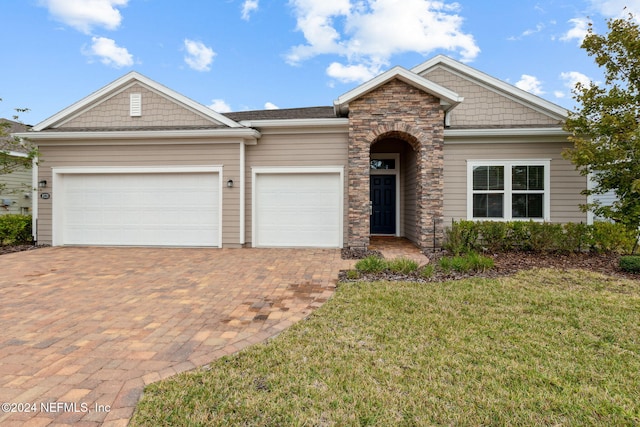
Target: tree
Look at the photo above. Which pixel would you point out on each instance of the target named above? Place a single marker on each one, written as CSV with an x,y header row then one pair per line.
x,y
8,144
605,128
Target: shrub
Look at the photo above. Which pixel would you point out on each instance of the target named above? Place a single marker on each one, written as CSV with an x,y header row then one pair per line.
x,y
467,236
371,264
611,237
461,237
479,262
577,237
471,261
545,237
402,265
519,235
494,236
427,271
352,274
15,229
630,263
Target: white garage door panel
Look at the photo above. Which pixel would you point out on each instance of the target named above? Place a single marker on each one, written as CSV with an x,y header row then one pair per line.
x,y
155,209
298,209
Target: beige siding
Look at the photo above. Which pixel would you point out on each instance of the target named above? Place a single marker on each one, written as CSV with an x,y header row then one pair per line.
x,y
225,155
17,185
409,172
157,110
482,107
566,182
320,149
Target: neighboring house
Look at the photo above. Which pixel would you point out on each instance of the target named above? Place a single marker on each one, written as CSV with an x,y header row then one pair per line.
x,y
16,189
404,154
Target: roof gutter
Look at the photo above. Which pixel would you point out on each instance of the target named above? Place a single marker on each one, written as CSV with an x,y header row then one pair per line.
x,y
245,133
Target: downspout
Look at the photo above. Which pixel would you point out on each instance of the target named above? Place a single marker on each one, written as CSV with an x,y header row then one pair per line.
x,y
242,193
34,199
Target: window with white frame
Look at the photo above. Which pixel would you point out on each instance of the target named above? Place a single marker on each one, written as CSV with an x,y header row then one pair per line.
x,y
508,190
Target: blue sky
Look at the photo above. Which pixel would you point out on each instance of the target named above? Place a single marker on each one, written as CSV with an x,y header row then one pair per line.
x,y
235,55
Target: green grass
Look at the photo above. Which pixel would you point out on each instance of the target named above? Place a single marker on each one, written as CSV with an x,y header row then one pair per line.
x,y
544,347
469,262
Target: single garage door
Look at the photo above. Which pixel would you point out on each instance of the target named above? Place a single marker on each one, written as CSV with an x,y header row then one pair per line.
x,y
140,209
298,210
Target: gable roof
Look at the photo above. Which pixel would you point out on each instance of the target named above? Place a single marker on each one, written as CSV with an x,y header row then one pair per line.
x,y
448,98
124,81
325,112
492,83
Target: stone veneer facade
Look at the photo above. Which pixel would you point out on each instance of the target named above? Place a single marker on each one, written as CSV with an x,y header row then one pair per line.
x,y
397,110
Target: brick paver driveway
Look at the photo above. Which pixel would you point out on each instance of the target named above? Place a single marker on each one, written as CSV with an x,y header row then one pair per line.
x,y
83,330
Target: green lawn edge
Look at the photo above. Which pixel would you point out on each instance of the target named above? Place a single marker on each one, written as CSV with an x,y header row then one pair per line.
x,y
544,347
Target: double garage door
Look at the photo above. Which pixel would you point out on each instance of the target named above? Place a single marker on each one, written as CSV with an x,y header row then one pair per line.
x,y
138,209
167,207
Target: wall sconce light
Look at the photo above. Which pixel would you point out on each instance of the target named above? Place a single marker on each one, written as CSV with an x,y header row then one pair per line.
x,y
230,183
42,184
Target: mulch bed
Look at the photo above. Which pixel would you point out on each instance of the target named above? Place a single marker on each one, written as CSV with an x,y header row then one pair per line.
x,y
17,248
509,263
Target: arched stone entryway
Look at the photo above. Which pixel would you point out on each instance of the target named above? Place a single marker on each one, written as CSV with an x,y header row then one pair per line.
x,y
397,111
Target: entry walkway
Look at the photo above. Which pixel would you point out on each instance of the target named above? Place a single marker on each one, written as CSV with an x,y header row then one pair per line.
x,y
397,247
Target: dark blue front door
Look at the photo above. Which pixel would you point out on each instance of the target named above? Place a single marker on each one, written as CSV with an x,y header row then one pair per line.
x,y
383,203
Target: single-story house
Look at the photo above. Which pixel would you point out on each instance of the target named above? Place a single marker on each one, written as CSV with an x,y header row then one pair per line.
x,y
404,154
16,187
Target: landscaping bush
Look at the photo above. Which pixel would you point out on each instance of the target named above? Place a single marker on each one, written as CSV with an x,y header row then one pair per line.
x,y
402,265
427,271
15,229
371,264
461,237
471,261
630,263
611,237
577,237
497,236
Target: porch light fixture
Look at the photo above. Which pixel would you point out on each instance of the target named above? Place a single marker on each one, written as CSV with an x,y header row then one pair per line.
x,y
230,183
42,184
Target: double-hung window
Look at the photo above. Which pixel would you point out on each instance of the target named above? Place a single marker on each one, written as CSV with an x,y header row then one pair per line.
x,y
508,190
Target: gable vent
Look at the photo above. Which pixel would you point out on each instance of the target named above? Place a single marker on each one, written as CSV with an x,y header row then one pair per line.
x,y
135,105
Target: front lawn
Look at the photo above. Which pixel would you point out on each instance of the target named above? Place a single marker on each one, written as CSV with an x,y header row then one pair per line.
x,y
544,347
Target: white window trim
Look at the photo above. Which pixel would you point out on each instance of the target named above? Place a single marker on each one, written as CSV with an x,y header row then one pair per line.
x,y
508,191
396,172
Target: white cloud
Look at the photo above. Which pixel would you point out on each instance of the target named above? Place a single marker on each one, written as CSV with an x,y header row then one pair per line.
x,y
531,84
83,15
559,94
109,52
270,106
352,73
579,30
247,7
571,78
199,57
371,31
616,8
220,106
